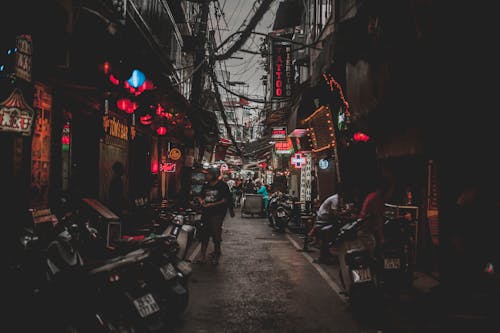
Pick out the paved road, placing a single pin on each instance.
(262, 284)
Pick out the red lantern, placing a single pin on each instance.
(114, 80)
(133, 106)
(360, 137)
(159, 110)
(106, 67)
(154, 167)
(146, 120)
(124, 104)
(161, 130)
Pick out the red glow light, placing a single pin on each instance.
(124, 104)
(106, 67)
(114, 80)
(360, 137)
(154, 167)
(146, 120)
(159, 110)
(161, 130)
(65, 140)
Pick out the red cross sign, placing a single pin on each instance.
(298, 160)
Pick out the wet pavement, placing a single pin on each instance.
(262, 284)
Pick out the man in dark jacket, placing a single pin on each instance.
(215, 200)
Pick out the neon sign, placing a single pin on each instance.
(282, 69)
(278, 133)
(298, 161)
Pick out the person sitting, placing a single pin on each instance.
(327, 212)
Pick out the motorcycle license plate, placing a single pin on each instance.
(146, 305)
(184, 267)
(168, 271)
(281, 214)
(361, 275)
(392, 263)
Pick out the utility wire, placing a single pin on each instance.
(259, 13)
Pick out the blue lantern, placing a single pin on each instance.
(137, 78)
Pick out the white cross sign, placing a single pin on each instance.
(298, 160)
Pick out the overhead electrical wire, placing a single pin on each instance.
(259, 13)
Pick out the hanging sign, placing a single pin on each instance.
(284, 147)
(281, 64)
(306, 178)
(298, 161)
(167, 167)
(113, 127)
(278, 133)
(175, 154)
(24, 53)
(15, 114)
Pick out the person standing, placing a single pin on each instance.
(263, 191)
(116, 195)
(215, 201)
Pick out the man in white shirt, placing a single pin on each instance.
(328, 207)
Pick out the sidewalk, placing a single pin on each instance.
(423, 282)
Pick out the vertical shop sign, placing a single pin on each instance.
(40, 151)
(306, 178)
(281, 64)
(24, 45)
(432, 202)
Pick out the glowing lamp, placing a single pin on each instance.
(146, 120)
(113, 80)
(159, 110)
(137, 78)
(161, 130)
(133, 106)
(106, 67)
(147, 85)
(360, 137)
(154, 167)
(124, 104)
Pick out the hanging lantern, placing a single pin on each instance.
(147, 85)
(113, 80)
(106, 67)
(137, 78)
(168, 116)
(160, 110)
(161, 130)
(360, 137)
(124, 104)
(146, 120)
(132, 107)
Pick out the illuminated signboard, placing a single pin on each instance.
(284, 147)
(298, 161)
(24, 45)
(282, 69)
(323, 164)
(278, 133)
(113, 127)
(167, 167)
(15, 114)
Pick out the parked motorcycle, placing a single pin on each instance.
(280, 211)
(397, 273)
(358, 266)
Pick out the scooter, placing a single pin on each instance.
(358, 267)
(397, 273)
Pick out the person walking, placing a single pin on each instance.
(215, 200)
